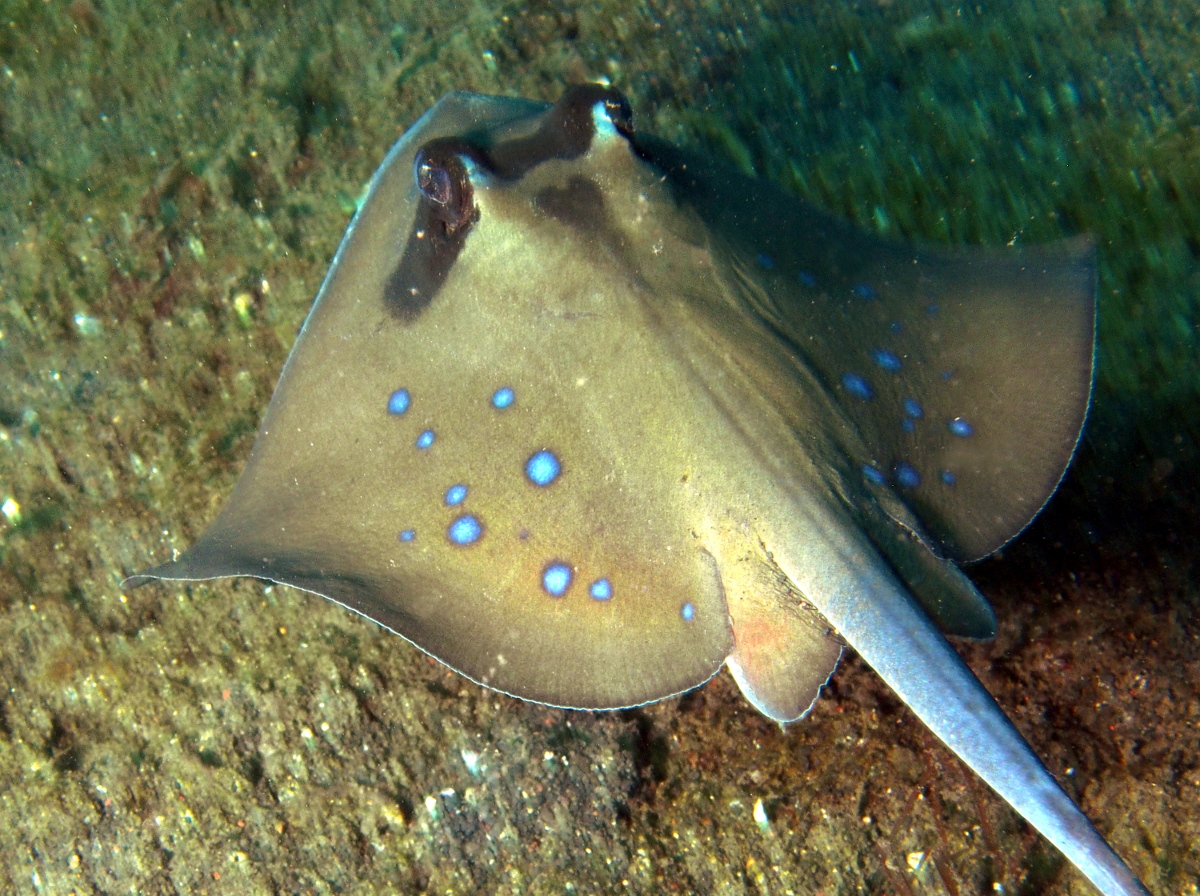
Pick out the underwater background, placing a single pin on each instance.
(174, 179)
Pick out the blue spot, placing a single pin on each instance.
(960, 427)
(947, 375)
(543, 468)
(455, 495)
(932, 310)
(425, 439)
(907, 475)
(556, 579)
(864, 291)
(948, 477)
(399, 402)
(908, 425)
(913, 408)
(408, 534)
(601, 589)
(465, 530)
(765, 261)
(806, 279)
(857, 386)
(895, 327)
(886, 360)
(503, 398)
(873, 475)
(688, 612)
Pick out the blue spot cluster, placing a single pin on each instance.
(873, 474)
(857, 386)
(542, 469)
(912, 413)
(503, 398)
(556, 578)
(399, 402)
(960, 427)
(886, 360)
(907, 475)
(465, 530)
(866, 383)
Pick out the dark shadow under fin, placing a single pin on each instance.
(939, 586)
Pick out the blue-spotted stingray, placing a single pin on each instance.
(586, 416)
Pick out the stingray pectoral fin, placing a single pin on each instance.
(487, 610)
(870, 609)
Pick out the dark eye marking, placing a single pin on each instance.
(446, 212)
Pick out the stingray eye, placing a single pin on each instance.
(443, 170)
(434, 180)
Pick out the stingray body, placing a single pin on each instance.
(586, 417)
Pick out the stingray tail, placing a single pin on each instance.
(871, 610)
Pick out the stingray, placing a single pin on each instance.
(586, 416)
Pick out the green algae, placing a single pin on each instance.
(171, 190)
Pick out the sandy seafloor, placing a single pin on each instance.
(174, 179)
